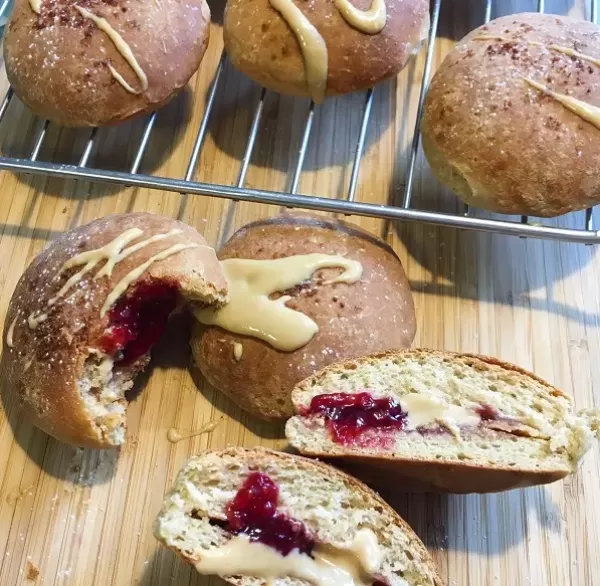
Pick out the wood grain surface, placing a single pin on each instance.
(84, 517)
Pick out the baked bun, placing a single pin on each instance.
(453, 422)
(93, 63)
(77, 333)
(261, 42)
(285, 515)
(504, 124)
(373, 313)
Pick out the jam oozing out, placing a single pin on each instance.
(349, 416)
(253, 511)
(138, 320)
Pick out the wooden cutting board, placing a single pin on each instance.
(84, 517)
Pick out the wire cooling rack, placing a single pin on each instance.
(403, 210)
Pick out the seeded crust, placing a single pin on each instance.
(377, 313)
(57, 61)
(501, 144)
(539, 440)
(48, 367)
(260, 43)
(332, 505)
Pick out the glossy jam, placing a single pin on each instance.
(138, 320)
(350, 416)
(253, 511)
(487, 413)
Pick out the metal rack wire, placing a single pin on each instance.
(403, 211)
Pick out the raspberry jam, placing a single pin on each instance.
(487, 413)
(138, 321)
(349, 416)
(253, 511)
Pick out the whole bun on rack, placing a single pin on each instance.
(86, 312)
(512, 117)
(262, 39)
(99, 62)
(371, 310)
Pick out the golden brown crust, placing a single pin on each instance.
(57, 61)
(499, 143)
(44, 364)
(428, 476)
(260, 456)
(377, 313)
(262, 45)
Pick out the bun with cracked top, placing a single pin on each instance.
(346, 45)
(97, 62)
(321, 322)
(86, 312)
(512, 117)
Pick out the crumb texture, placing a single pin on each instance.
(330, 504)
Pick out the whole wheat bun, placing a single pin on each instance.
(504, 145)
(260, 43)
(57, 61)
(332, 506)
(65, 384)
(376, 313)
(533, 437)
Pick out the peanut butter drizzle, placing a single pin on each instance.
(352, 563)
(238, 351)
(370, 21)
(175, 435)
(136, 273)
(312, 45)
(552, 46)
(11, 331)
(251, 311)
(121, 46)
(113, 253)
(585, 111)
(36, 6)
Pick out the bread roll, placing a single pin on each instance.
(85, 313)
(312, 49)
(452, 422)
(340, 320)
(512, 117)
(256, 517)
(90, 63)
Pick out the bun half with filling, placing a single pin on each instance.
(450, 422)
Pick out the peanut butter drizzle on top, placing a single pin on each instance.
(111, 253)
(251, 311)
(312, 44)
(585, 111)
(122, 47)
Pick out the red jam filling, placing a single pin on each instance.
(253, 511)
(349, 416)
(138, 321)
(487, 413)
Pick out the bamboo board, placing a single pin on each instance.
(83, 517)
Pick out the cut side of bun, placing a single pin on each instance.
(77, 334)
(325, 503)
(482, 425)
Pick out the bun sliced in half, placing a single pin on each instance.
(260, 517)
(451, 422)
(86, 312)
(91, 63)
